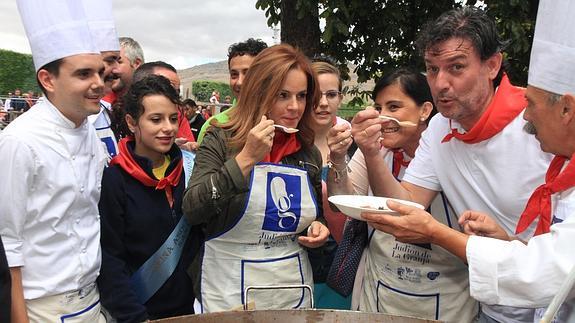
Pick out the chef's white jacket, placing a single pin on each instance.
(49, 221)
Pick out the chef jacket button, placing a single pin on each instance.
(77, 220)
(73, 157)
(83, 250)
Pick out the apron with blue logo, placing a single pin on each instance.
(262, 249)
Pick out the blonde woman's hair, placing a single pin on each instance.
(321, 67)
(260, 89)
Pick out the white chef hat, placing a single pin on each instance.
(552, 65)
(101, 24)
(55, 29)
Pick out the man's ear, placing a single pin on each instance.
(567, 104)
(494, 65)
(137, 63)
(47, 80)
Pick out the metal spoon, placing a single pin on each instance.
(401, 123)
(286, 129)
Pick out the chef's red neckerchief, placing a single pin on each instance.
(398, 161)
(539, 204)
(284, 144)
(126, 161)
(505, 106)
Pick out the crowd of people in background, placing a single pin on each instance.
(124, 202)
(18, 101)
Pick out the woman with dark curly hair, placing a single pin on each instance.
(147, 244)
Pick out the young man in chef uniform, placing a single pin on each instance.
(54, 162)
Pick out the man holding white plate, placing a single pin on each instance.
(475, 151)
(508, 271)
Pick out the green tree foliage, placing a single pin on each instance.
(516, 23)
(299, 20)
(16, 71)
(379, 35)
(202, 90)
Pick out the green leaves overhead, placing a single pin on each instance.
(379, 35)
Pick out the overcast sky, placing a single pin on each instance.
(183, 33)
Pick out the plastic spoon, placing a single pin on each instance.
(286, 129)
(401, 123)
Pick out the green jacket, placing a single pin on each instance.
(220, 117)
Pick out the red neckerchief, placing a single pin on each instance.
(506, 105)
(126, 161)
(284, 144)
(398, 161)
(539, 204)
(110, 98)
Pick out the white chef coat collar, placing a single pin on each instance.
(60, 118)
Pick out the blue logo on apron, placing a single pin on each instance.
(283, 202)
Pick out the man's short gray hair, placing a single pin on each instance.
(553, 98)
(132, 49)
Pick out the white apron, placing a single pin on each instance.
(262, 247)
(423, 281)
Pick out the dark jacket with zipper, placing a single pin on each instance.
(136, 220)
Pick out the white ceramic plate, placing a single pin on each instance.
(354, 205)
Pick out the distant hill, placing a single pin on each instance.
(217, 71)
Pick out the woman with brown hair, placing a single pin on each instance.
(256, 190)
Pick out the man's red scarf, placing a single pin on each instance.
(126, 161)
(539, 204)
(284, 144)
(506, 105)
